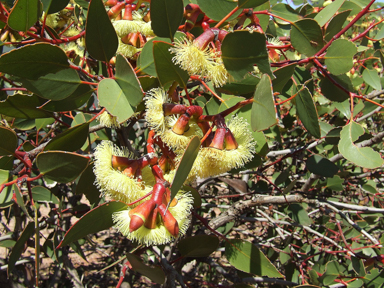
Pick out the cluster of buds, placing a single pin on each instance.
(230, 145)
(131, 28)
(123, 178)
(205, 51)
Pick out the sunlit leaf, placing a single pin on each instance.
(166, 16)
(339, 57)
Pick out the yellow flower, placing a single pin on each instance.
(175, 141)
(108, 120)
(127, 50)
(111, 182)
(155, 99)
(158, 235)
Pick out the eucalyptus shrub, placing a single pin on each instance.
(221, 143)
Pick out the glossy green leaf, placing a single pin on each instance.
(100, 36)
(20, 200)
(239, 59)
(371, 77)
(335, 25)
(42, 194)
(198, 245)
(61, 166)
(307, 112)
(33, 61)
(54, 86)
(328, 12)
(250, 3)
(156, 274)
(98, 219)
(185, 165)
(127, 80)
(6, 162)
(335, 183)
(24, 14)
(247, 257)
(166, 70)
(71, 140)
(77, 99)
(286, 12)
(333, 92)
(146, 61)
(43, 122)
(298, 214)
(218, 9)
(241, 87)
(166, 16)
(9, 146)
(19, 246)
(263, 113)
(282, 75)
(307, 37)
(87, 187)
(339, 57)
(365, 157)
(112, 97)
(319, 165)
(23, 106)
(7, 193)
(53, 6)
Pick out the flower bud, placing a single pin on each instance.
(230, 141)
(140, 214)
(218, 139)
(170, 222)
(181, 125)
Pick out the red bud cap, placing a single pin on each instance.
(218, 139)
(170, 222)
(140, 214)
(136, 223)
(230, 141)
(181, 125)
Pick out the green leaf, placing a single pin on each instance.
(358, 265)
(61, 166)
(166, 70)
(23, 106)
(33, 61)
(6, 162)
(239, 59)
(53, 6)
(77, 99)
(218, 9)
(380, 34)
(87, 187)
(365, 157)
(20, 200)
(263, 114)
(298, 214)
(319, 165)
(306, 37)
(244, 86)
(24, 14)
(198, 246)
(307, 112)
(185, 165)
(112, 97)
(54, 86)
(42, 194)
(328, 12)
(339, 57)
(250, 3)
(248, 258)
(331, 273)
(43, 122)
(374, 279)
(127, 80)
(100, 36)
(98, 219)
(336, 25)
(9, 146)
(146, 61)
(7, 193)
(282, 75)
(286, 12)
(335, 183)
(333, 92)
(156, 274)
(71, 140)
(19, 246)
(371, 77)
(166, 16)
